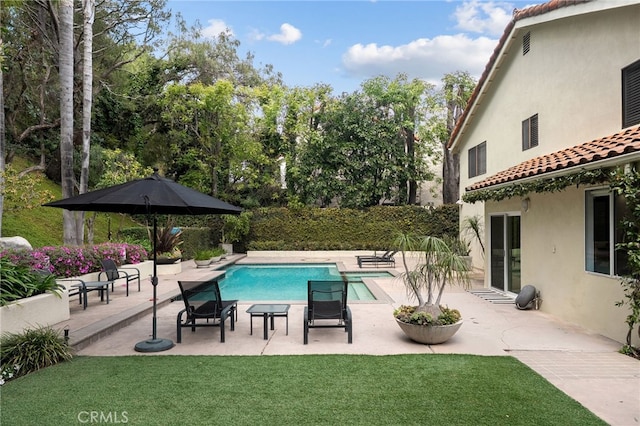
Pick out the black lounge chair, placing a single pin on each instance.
(386, 258)
(112, 273)
(327, 307)
(202, 301)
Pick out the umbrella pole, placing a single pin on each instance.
(154, 344)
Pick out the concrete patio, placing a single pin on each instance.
(584, 365)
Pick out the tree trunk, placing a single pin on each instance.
(87, 96)
(457, 88)
(66, 116)
(411, 153)
(450, 176)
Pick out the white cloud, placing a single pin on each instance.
(288, 34)
(215, 27)
(427, 59)
(256, 35)
(484, 17)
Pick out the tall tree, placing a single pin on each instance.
(457, 89)
(66, 116)
(88, 14)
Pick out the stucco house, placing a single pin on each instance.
(557, 104)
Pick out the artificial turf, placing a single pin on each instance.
(297, 389)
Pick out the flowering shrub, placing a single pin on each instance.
(74, 261)
(7, 373)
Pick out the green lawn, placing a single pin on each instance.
(297, 389)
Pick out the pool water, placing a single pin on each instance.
(287, 282)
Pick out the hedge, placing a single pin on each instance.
(281, 228)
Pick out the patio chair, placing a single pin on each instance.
(202, 301)
(113, 273)
(83, 287)
(386, 258)
(327, 307)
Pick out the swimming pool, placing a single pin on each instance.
(288, 281)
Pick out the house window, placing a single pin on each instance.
(478, 160)
(604, 214)
(526, 43)
(631, 95)
(530, 132)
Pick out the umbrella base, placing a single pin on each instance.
(154, 345)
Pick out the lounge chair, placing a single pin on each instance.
(202, 301)
(327, 307)
(386, 258)
(113, 273)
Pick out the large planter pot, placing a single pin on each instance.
(429, 334)
(161, 260)
(202, 263)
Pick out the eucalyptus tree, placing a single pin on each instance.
(123, 30)
(193, 58)
(456, 91)
(66, 115)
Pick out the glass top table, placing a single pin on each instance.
(269, 310)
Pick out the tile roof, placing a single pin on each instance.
(517, 15)
(624, 142)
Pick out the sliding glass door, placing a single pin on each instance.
(505, 252)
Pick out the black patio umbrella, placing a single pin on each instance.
(151, 196)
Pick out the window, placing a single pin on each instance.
(526, 43)
(478, 160)
(604, 213)
(631, 95)
(530, 132)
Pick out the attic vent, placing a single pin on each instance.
(526, 43)
(631, 95)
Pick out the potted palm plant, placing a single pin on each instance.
(436, 266)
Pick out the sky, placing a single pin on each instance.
(344, 43)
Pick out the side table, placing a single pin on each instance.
(268, 310)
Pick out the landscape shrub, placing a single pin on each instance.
(31, 350)
(74, 261)
(20, 281)
(311, 228)
(346, 229)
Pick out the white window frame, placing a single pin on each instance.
(589, 253)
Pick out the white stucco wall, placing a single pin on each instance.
(553, 260)
(571, 78)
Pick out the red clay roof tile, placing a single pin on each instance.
(624, 142)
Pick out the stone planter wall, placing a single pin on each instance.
(33, 312)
